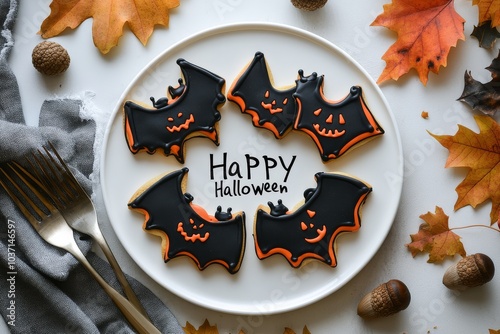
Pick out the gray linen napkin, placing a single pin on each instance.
(44, 289)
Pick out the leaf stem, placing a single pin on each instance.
(475, 225)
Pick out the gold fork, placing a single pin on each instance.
(77, 208)
(31, 198)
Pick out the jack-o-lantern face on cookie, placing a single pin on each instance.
(270, 104)
(329, 126)
(196, 233)
(312, 233)
(180, 122)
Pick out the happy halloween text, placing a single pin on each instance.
(235, 176)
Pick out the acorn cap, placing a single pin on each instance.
(386, 299)
(309, 5)
(471, 271)
(50, 58)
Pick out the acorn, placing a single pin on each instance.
(386, 299)
(471, 271)
(309, 5)
(50, 58)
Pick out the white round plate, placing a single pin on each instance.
(261, 286)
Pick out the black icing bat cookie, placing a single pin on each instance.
(309, 232)
(190, 110)
(255, 94)
(335, 127)
(186, 229)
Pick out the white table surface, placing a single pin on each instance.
(427, 183)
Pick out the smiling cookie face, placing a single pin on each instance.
(179, 123)
(269, 103)
(333, 126)
(313, 234)
(195, 234)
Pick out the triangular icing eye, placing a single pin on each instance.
(303, 226)
(329, 120)
(317, 112)
(311, 213)
(341, 119)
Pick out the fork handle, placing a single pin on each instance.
(127, 289)
(140, 323)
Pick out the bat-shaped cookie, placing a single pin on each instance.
(335, 127)
(309, 232)
(255, 94)
(186, 229)
(189, 111)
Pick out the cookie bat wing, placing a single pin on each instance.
(184, 231)
(255, 94)
(335, 127)
(193, 113)
(309, 232)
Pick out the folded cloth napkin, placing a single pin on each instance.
(44, 289)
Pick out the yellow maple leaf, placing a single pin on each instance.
(426, 29)
(435, 237)
(480, 153)
(109, 18)
(489, 10)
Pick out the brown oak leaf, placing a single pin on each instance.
(435, 237)
(426, 29)
(493, 331)
(480, 153)
(489, 10)
(205, 328)
(109, 18)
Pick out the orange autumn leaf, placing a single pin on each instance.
(426, 29)
(489, 10)
(480, 153)
(109, 18)
(493, 331)
(435, 237)
(205, 328)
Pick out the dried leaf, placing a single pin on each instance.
(481, 97)
(486, 35)
(435, 237)
(109, 18)
(489, 10)
(427, 29)
(206, 328)
(480, 153)
(493, 331)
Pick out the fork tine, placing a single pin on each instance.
(69, 176)
(19, 201)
